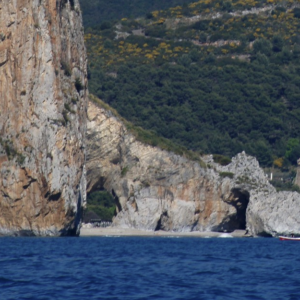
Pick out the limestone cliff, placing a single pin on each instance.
(42, 117)
(156, 189)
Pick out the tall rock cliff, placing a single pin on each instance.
(156, 189)
(42, 117)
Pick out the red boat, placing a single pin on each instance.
(288, 238)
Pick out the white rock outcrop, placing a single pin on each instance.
(156, 189)
(274, 214)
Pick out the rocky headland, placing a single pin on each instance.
(42, 117)
(159, 190)
(43, 105)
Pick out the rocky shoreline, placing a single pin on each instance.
(158, 190)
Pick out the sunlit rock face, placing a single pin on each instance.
(274, 214)
(42, 117)
(158, 190)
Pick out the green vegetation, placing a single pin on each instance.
(11, 152)
(66, 118)
(68, 108)
(283, 178)
(285, 186)
(221, 159)
(226, 174)
(217, 85)
(66, 68)
(97, 12)
(101, 203)
(150, 138)
(124, 171)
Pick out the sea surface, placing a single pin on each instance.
(149, 268)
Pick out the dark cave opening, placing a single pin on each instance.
(241, 205)
(161, 221)
(239, 198)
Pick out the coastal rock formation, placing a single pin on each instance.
(42, 117)
(159, 190)
(274, 214)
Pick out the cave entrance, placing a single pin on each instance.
(239, 198)
(100, 208)
(102, 204)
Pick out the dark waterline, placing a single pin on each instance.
(148, 268)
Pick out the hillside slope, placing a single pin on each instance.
(214, 76)
(96, 12)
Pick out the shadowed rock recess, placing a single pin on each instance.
(159, 190)
(42, 117)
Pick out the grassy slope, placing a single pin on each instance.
(96, 12)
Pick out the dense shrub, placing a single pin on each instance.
(224, 96)
(101, 203)
(226, 174)
(221, 159)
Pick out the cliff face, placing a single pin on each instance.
(42, 117)
(155, 189)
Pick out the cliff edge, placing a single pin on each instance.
(42, 117)
(159, 190)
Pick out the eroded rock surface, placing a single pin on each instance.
(274, 214)
(156, 189)
(42, 117)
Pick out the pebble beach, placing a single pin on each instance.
(114, 231)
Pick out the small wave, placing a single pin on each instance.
(225, 235)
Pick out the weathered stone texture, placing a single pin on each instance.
(156, 189)
(297, 179)
(274, 214)
(42, 116)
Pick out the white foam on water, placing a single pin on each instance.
(225, 235)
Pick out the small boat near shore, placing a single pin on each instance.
(289, 238)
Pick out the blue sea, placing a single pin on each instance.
(149, 268)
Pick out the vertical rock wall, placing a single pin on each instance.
(42, 117)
